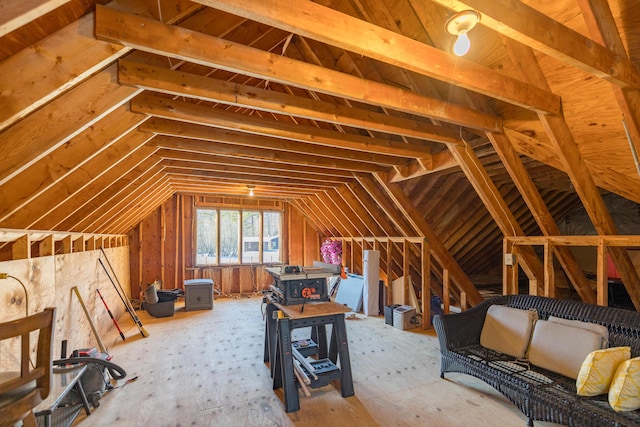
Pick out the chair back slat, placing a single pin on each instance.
(32, 384)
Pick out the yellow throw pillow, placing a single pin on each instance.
(624, 392)
(598, 369)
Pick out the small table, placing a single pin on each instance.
(63, 380)
(278, 346)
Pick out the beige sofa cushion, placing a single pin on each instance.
(594, 327)
(561, 348)
(507, 330)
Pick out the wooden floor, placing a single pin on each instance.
(205, 368)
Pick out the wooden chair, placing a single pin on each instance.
(21, 392)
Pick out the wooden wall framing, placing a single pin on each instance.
(163, 244)
(25, 244)
(513, 244)
(400, 257)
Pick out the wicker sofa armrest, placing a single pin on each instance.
(459, 330)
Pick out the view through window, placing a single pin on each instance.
(225, 236)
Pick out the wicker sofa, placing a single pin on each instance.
(540, 394)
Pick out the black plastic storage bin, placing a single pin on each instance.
(161, 309)
(168, 295)
(165, 307)
(388, 313)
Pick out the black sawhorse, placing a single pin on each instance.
(278, 346)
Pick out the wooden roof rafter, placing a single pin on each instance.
(571, 160)
(179, 83)
(332, 27)
(111, 25)
(200, 114)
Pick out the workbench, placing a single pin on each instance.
(278, 347)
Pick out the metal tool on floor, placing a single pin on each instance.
(123, 296)
(115, 322)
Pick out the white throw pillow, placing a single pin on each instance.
(561, 348)
(507, 330)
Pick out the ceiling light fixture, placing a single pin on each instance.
(459, 25)
(251, 187)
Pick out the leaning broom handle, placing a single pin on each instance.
(115, 276)
(93, 327)
(128, 307)
(115, 322)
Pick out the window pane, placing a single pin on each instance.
(271, 237)
(250, 237)
(229, 236)
(206, 226)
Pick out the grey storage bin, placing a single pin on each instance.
(198, 294)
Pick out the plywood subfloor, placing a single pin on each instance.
(205, 368)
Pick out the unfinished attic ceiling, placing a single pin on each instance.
(353, 107)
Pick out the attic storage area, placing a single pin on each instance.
(348, 120)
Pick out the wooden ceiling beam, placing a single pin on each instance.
(603, 29)
(15, 14)
(328, 204)
(309, 215)
(526, 25)
(179, 83)
(99, 204)
(138, 205)
(303, 172)
(35, 76)
(321, 224)
(247, 178)
(63, 198)
(326, 25)
(51, 126)
(602, 175)
(374, 211)
(325, 217)
(150, 36)
(289, 188)
(581, 177)
(495, 204)
(240, 171)
(206, 135)
(592, 200)
(351, 213)
(262, 155)
(540, 212)
(164, 194)
(117, 210)
(419, 167)
(215, 117)
(191, 185)
(47, 171)
(400, 222)
(347, 203)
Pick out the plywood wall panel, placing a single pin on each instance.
(49, 282)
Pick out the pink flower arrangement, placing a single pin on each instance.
(331, 251)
